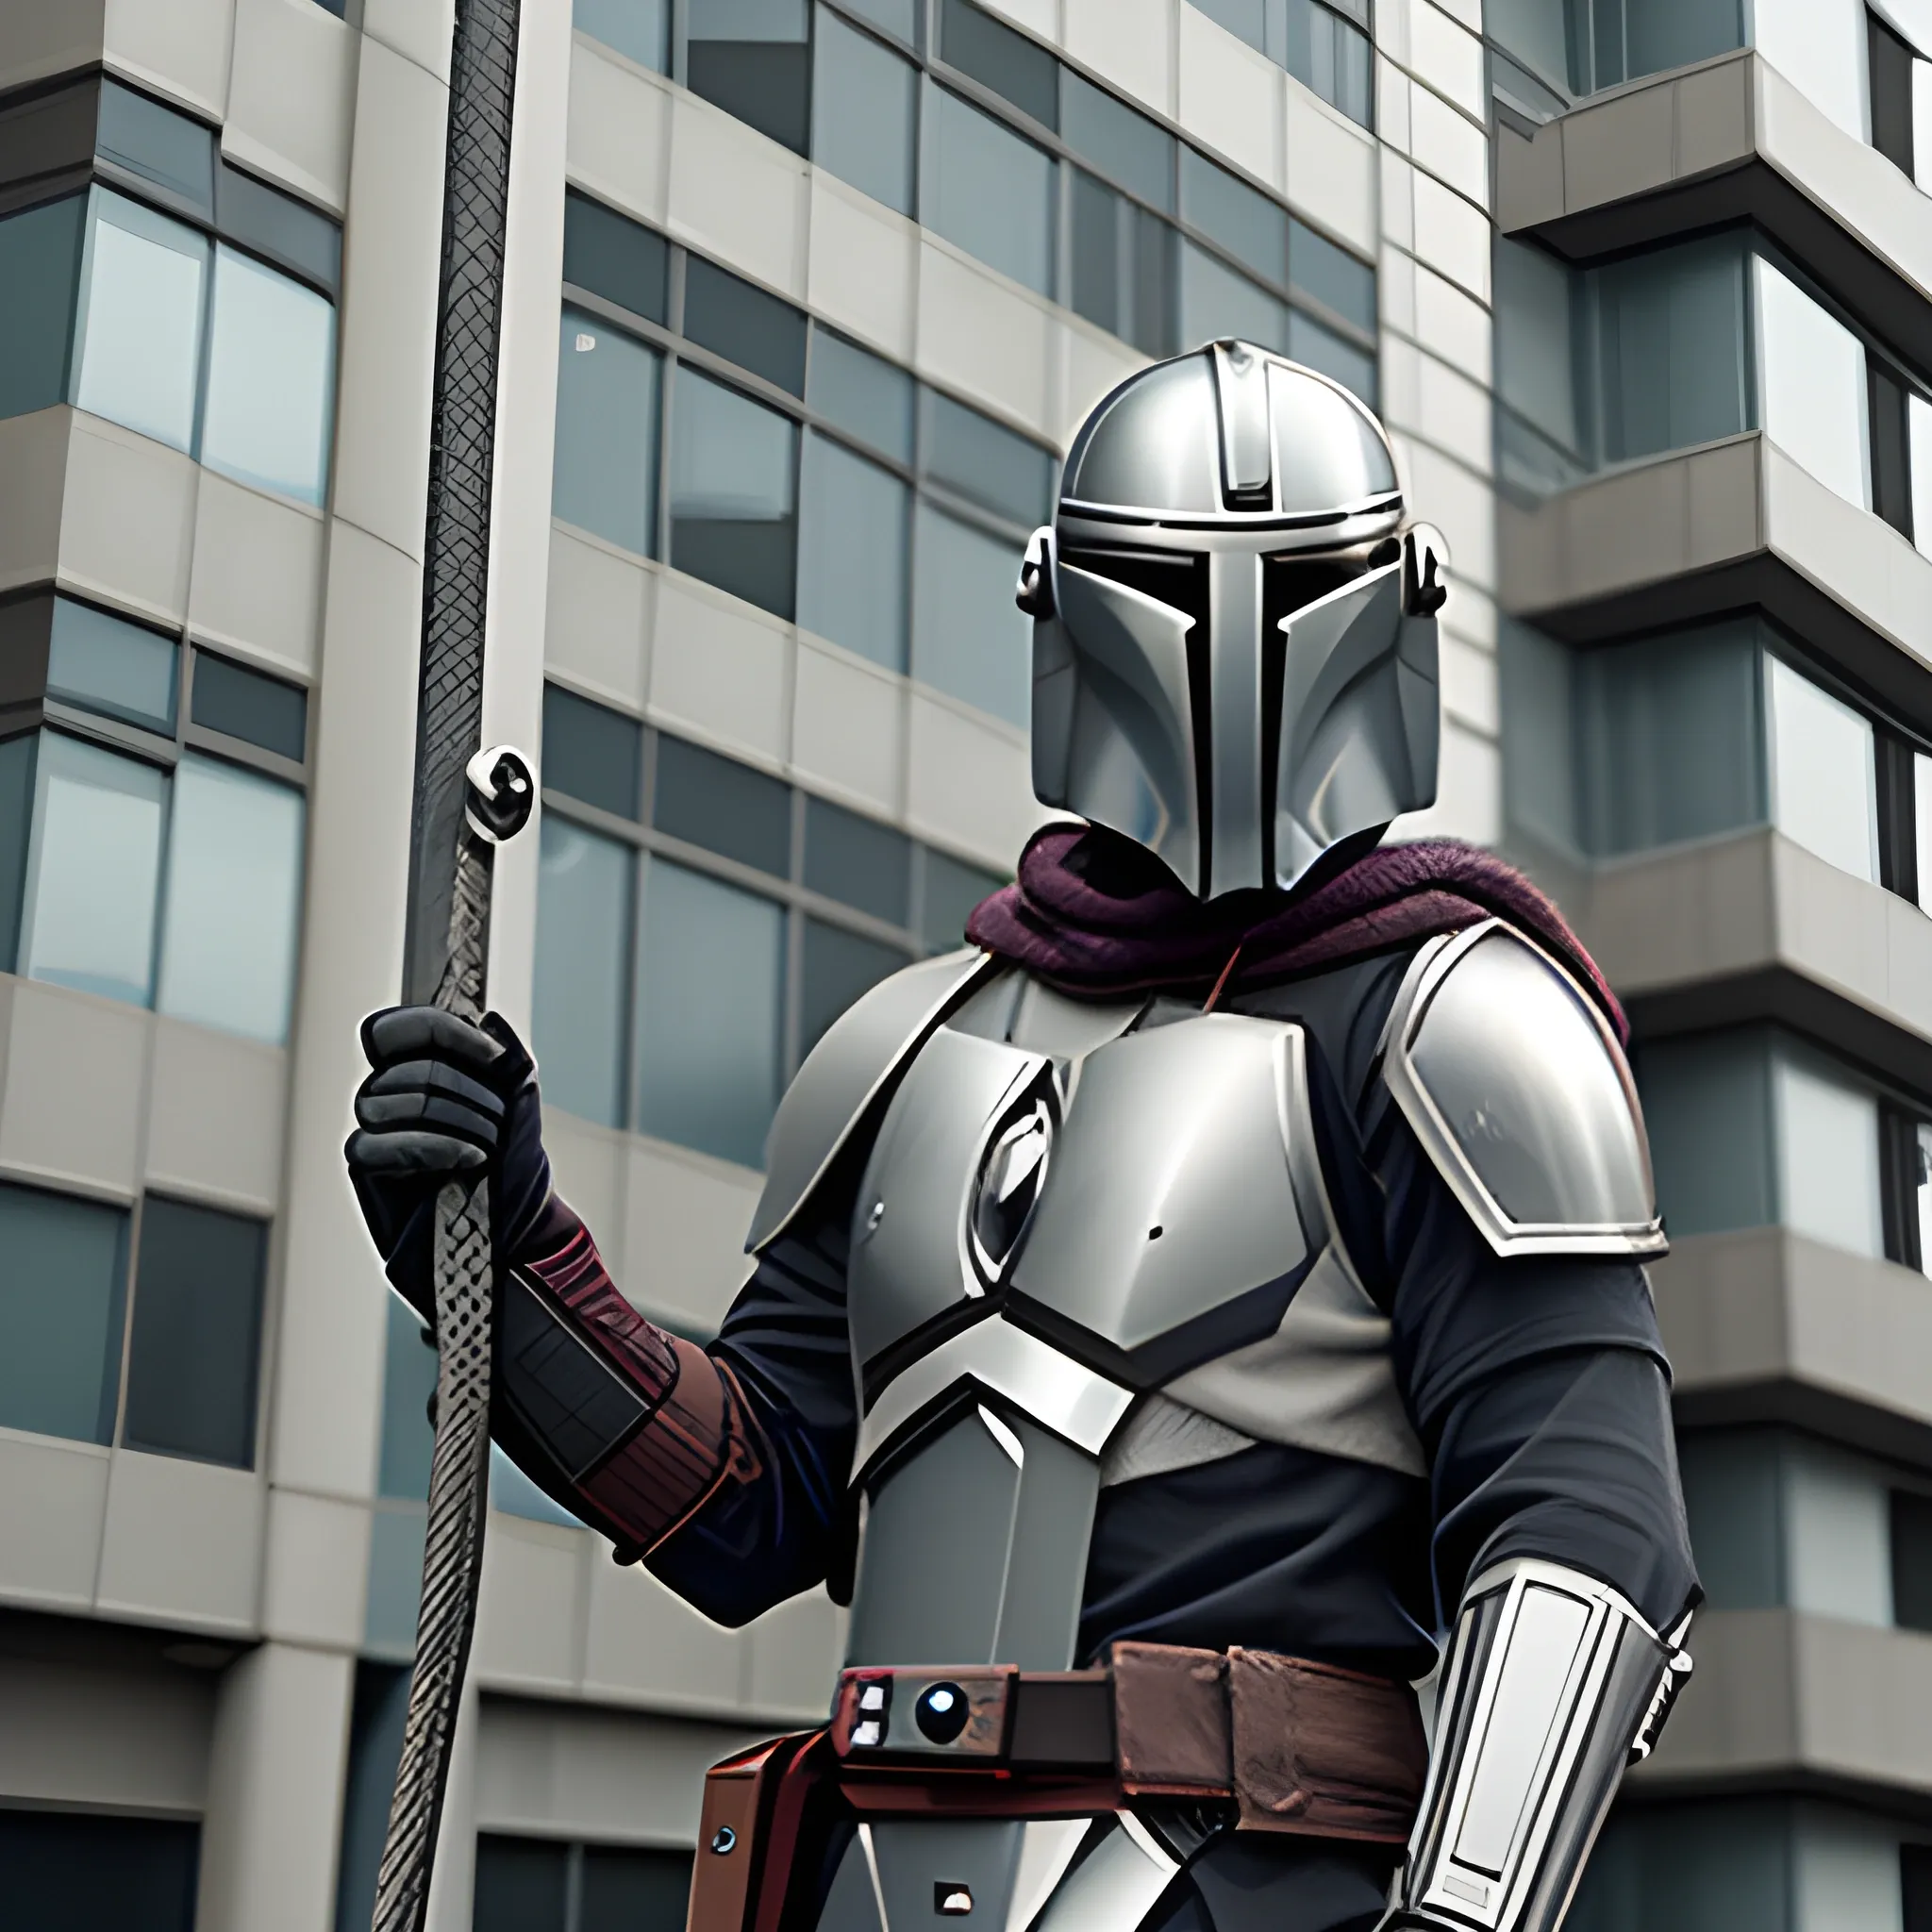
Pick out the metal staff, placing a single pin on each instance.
(466, 801)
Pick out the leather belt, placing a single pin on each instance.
(1291, 1745)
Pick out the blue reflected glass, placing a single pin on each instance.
(987, 190)
(62, 1292)
(103, 663)
(606, 474)
(967, 639)
(852, 558)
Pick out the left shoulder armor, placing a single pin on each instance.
(1519, 1091)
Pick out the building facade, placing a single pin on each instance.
(805, 298)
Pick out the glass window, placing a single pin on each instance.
(139, 327)
(723, 806)
(73, 1869)
(178, 155)
(1330, 274)
(103, 663)
(280, 226)
(1241, 219)
(755, 330)
(378, 1708)
(230, 698)
(851, 560)
(1122, 262)
(1138, 153)
(638, 29)
(733, 476)
(838, 966)
(752, 58)
(1215, 301)
(1708, 1105)
(1017, 69)
(863, 109)
(93, 865)
(614, 257)
(1321, 348)
(606, 478)
(1911, 1560)
(1732, 1498)
(592, 752)
(1921, 826)
(709, 1013)
(857, 862)
(16, 818)
(1693, 1865)
(1827, 1154)
(864, 395)
(985, 461)
(1329, 56)
(1824, 792)
(40, 260)
(409, 1380)
(1811, 385)
(987, 190)
(523, 1885)
(627, 1889)
(581, 995)
(61, 1299)
(1536, 355)
(234, 899)
(1919, 456)
(1920, 1176)
(195, 1347)
(953, 889)
(968, 638)
(1260, 22)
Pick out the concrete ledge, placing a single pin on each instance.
(1766, 1325)
(1730, 140)
(1726, 527)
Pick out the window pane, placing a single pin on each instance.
(627, 1891)
(40, 267)
(852, 562)
(862, 112)
(1921, 826)
(953, 889)
(271, 376)
(857, 862)
(987, 461)
(1823, 791)
(902, 17)
(1241, 219)
(1331, 275)
(1918, 455)
(968, 638)
(753, 58)
(606, 478)
(1329, 56)
(635, 28)
(987, 190)
(1827, 1154)
(1708, 1105)
(234, 899)
(252, 212)
(139, 350)
(838, 966)
(1215, 301)
(709, 1007)
(593, 752)
(16, 819)
(1123, 266)
(577, 1015)
(249, 704)
(1020, 70)
(755, 330)
(409, 1380)
(1260, 22)
(63, 1869)
(1911, 1563)
(63, 1272)
(515, 1494)
(723, 806)
(523, 1885)
(1138, 153)
(863, 396)
(89, 915)
(1811, 385)
(614, 257)
(732, 506)
(157, 144)
(194, 1349)
(1321, 348)
(103, 664)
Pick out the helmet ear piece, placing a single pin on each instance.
(1034, 595)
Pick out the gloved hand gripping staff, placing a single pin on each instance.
(466, 801)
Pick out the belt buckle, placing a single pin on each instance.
(908, 1711)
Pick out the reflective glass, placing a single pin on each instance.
(1136, 152)
(1811, 386)
(1921, 123)
(1534, 360)
(755, 330)
(88, 920)
(732, 482)
(229, 697)
(63, 1274)
(233, 902)
(709, 1007)
(639, 29)
(1823, 791)
(1330, 274)
(1921, 826)
(968, 638)
(194, 1345)
(626, 1889)
(409, 1380)
(1122, 262)
(723, 806)
(1215, 301)
(1827, 1154)
(280, 226)
(1241, 219)
(40, 260)
(1708, 1106)
(106, 664)
(1017, 69)
(857, 862)
(606, 478)
(852, 556)
(1911, 1598)
(1693, 1865)
(1329, 56)
(985, 461)
(987, 190)
(863, 109)
(1321, 348)
(104, 1873)
(157, 144)
(1918, 461)
(838, 966)
(752, 58)
(523, 1885)
(581, 995)
(900, 17)
(1263, 24)
(271, 378)
(593, 752)
(953, 889)
(864, 395)
(16, 822)
(139, 354)
(614, 257)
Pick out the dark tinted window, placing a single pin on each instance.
(1911, 1560)
(723, 806)
(615, 258)
(856, 861)
(864, 395)
(194, 1350)
(626, 1891)
(953, 889)
(1915, 1887)
(755, 330)
(103, 663)
(376, 1746)
(178, 155)
(755, 61)
(70, 1872)
(1019, 69)
(62, 1295)
(523, 1885)
(838, 966)
(593, 752)
(280, 226)
(244, 703)
(1241, 219)
(1331, 275)
(1137, 152)
(734, 493)
(985, 461)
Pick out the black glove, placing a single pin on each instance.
(444, 1100)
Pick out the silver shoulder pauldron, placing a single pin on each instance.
(855, 1060)
(1520, 1094)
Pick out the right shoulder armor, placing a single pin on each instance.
(856, 1057)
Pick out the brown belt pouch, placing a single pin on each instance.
(766, 1814)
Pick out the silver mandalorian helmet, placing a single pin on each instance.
(1234, 639)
